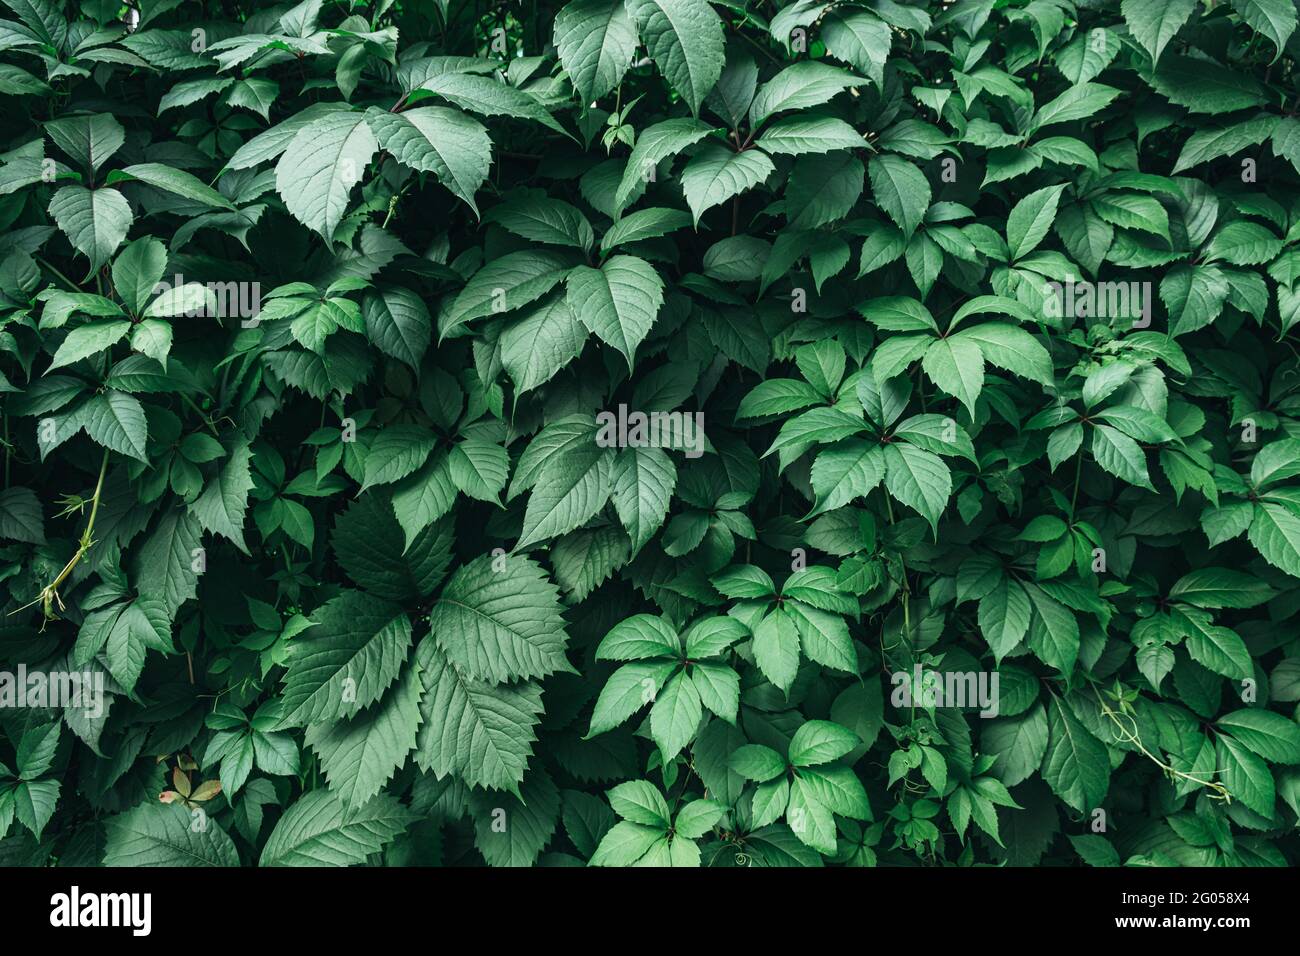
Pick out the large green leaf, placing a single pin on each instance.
(684, 38)
(322, 164)
(318, 830)
(1075, 764)
(155, 834)
(618, 302)
(346, 661)
(481, 732)
(596, 40)
(437, 140)
(94, 220)
(498, 619)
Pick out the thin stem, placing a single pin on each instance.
(1078, 472)
(192, 404)
(50, 593)
(1132, 737)
(66, 281)
(907, 597)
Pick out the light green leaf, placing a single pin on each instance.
(318, 830)
(596, 41)
(438, 140)
(901, 190)
(321, 165)
(685, 39)
(95, 221)
(618, 302)
(716, 174)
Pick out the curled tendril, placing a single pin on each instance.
(1131, 736)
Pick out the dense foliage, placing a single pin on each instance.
(331, 338)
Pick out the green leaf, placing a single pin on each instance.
(535, 347)
(1220, 587)
(901, 190)
(397, 451)
(685, 40)
(697, 818)
(137, 270)
(675, 715)
(1247, 777)
(1271, 736)
(1053, 632)
(503, 285)
(1217, 648)
(176, 181)
(20, 516)
(776, 648)
(643, 224)
(1275, 19)
(1154, 23)
(628, 689)
(618, 302)
(544, 220)
(655, 144)
(822, 189)
(798, 135)
(845, 472)
(1075, 764)
(1207, 145)
(1030, 219)
(153, 338)
(398, 323)
(95, 221)
(224, 503)
(360, 754)
(1004, 617)
(918, 479)
(820, 741)
(529, 818)
(757, 762)
(321, 165)
(1242, 243)
(438, 140)
(479, 468)
(481, 732)
(716, 174)
(812, 822)
(499, 620)
(318, 830)
(1076, 103)
(1012, 349)
(1275, 533)
(488, 97)
(798, 87)
(858, 38)
(956, 366)
(718, 688)
(1120, 455)
(1203, 86)
(89, 339)
(346, 661)
(89, 140)
(155, 834)
(838, 789)
(644, 479)
(1018, 743)
(596, 41)
(625, 844)
(386, 559)
(116, 421)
